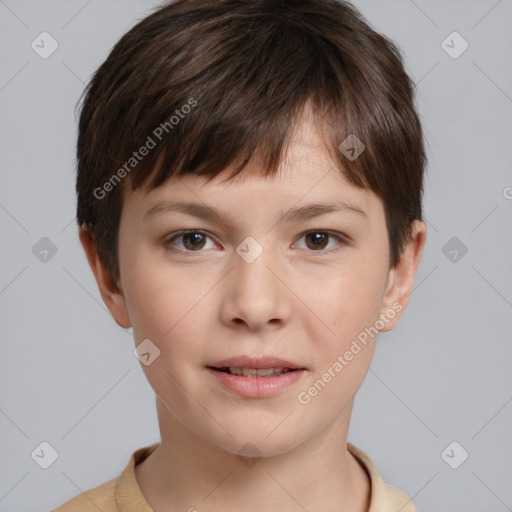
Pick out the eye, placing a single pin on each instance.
(191, 241)
(317, 241)
(197, 240)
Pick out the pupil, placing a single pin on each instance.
(318, 239)
(195, 240)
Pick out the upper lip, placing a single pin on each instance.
(255, 362)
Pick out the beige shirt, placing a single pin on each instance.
(123, 494)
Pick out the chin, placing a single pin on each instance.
(256, 443)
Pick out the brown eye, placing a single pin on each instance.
(190, 241)
(194, 241)
(322, 241)
(317, 240)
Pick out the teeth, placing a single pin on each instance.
(258, 372)
(264, 372)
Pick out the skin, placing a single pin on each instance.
(294, 301)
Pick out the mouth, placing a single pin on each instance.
(255, 366)
(254, 372)
(256, 377)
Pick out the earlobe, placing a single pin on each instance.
(401, 277)
(111, 293)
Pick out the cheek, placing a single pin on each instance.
(346, 300)
(168, 306)
(154, 294)
(170, 319)
(349, 305)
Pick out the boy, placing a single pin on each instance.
(249, 187)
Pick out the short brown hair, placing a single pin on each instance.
(229, 79)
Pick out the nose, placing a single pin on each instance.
(255, 295)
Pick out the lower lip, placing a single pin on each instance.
(257, 387)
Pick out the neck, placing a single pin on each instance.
(186, 472)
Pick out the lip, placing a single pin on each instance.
(256, 362)
(257, 387)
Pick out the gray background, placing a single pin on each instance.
(67, 372)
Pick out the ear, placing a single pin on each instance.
(401, 277)
(111, 293)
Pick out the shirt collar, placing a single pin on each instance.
(383, 497)
(129, 497)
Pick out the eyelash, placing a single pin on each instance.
(341, 239)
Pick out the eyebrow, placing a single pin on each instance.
(294, 214)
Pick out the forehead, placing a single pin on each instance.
(307, 174)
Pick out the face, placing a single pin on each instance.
(251, 275)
